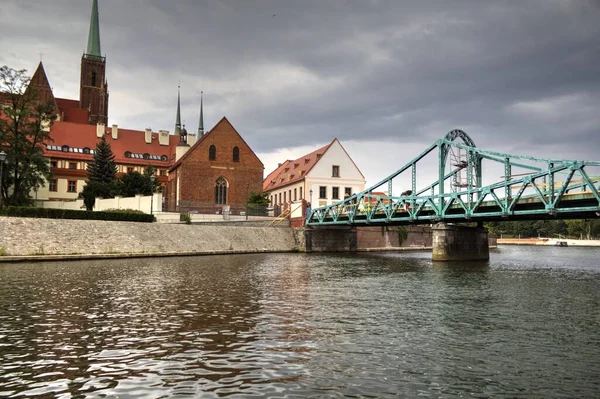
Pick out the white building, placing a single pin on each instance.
(322, 177)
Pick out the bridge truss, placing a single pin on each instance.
(530, 188)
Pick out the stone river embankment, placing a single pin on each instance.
(27, 238)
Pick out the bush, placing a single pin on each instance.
(50, 213)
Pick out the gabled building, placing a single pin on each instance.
(215, 174)
(322, 177)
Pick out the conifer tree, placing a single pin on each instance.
(103, 168)
(102, 175)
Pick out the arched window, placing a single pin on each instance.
(93, 78)
(212, 153)
(127, 154)
(236, 154)
(221, 191)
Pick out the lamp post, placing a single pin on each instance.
(247, 204)
(310, 195)
(2, 159)
(152, 178)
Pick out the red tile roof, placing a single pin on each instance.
(64, 103)
(78, 135)
(292, 171)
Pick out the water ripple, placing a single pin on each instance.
(297, 326)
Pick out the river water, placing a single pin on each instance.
(526, 324)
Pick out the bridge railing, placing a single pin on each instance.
(548, 187)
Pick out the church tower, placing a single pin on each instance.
(93, 88)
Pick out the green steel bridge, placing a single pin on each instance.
(517, 187)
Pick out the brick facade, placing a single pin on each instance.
(192, 179)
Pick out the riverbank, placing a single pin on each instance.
(549, 242)
(31, 239)
(59, 239)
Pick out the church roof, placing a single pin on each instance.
(223, 120)
(292, 171)
(93, 47)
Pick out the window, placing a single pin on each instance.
(86, 150)
(347, 191)
(52, 185)
(72, 165)
(212, 153)
(94, 78)
(129, 170)
(163, 172)
(335, 171)
(284, 197)
(295, 194)
(220, 191)
(236, 154)
(65, 148)
(322, 191)
(301, 193)
(164, 158)
(146, 156)
(53, 164)
(335, 192)
(72, 186)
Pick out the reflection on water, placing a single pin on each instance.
(294, 325)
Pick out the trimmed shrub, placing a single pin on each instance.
(49, 213)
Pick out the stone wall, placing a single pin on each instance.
(29, 236)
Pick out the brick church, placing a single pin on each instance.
(198, 172)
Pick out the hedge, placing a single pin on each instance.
(50, 213)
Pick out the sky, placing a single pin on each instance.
(387, 78)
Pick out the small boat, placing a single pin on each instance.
(561, 244)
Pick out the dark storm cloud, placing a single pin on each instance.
(522, 75)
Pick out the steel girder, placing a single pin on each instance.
(537, 194)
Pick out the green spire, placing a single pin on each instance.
(201, 122)
(93, 47)
(178, 117)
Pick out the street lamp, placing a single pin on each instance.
(152, 178)
(310, 196)
(2, 159)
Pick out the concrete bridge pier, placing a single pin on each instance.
(330, 239)
(452, 242)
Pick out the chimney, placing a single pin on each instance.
(148, 136)
(191, 139)
(163, 137)
(100, 129)
(180, 150)
(115, 131)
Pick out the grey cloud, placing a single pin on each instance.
(359, 70)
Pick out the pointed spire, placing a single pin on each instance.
(201, 122)
(93, 47)
(39, 81)
(178, 117)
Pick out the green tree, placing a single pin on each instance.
(25, 124)
(102, 176)
(257, 204)
(103, 168)
(258, 198)
(133, 183)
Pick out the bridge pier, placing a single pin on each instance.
(452, 242)
(330, 239)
